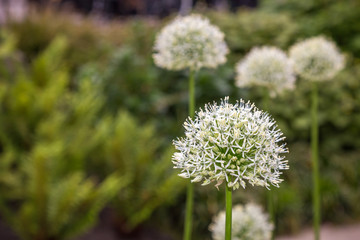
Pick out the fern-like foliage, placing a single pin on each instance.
(48, 133)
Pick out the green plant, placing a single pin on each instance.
(316, 60)
(47, 133)
(135, 150)
(190, 43)
(87, 40)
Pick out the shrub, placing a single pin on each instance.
(47, 134)
(135, 151)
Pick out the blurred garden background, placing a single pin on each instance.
(87, 120)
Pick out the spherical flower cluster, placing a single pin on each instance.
(317, 59)
(266, 66)
(190, 42)
(235, 143)
(248, 223)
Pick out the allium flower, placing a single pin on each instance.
(266, 66)
(232, 143)
(190, 42)
(248, 223)
(317, 59)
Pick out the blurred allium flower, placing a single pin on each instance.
(190, 42)
(248, 223)
(266, 66)
(232, 143)
(317, 59)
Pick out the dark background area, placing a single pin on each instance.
(114, 8)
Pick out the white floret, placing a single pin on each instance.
(232, 143)
(190, 42)
(317, 59)
(266, 66)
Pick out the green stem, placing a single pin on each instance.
(266, 100)
(271, 210)
(189, 210)
(228, 220)
(190, 187)
(315, 161)
(270, 194)
(191, 93)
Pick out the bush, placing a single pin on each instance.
(65, 156)
(134, 150)
(88, 39)
(47, 134)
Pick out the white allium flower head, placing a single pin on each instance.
(231, 143)
(190, 42)
(266, 66)
(317, 59)
(248, 222)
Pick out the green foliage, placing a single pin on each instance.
(88, 40)
(246, 29)
(39, 30)
(130, 80)
(47, 133)
(57, 135)
(134, 150)
(9, 56)
(338, 19)
(7, 43)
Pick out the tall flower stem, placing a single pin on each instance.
(190, 186)
(270, 206)
(270, 194)
(315, 160)
(191, 93)
(228, 219)
(189, 210)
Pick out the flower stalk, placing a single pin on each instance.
(316, 59)
(189, 211)
(315, 160)
(191, 93)
(270, 194)
(190, 42)
(190, 186)
(228, 221)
